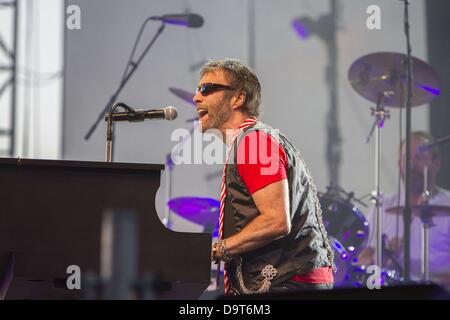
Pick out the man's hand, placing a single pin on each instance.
(273, 222)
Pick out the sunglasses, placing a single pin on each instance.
(208, 88)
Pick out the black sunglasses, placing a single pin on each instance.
(208, 88)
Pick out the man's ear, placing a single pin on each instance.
(238, 100)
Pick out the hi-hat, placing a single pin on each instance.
(422, 209)
(183, 94)
(383, 75)
(203, 211)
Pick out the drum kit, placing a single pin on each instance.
(381, 78)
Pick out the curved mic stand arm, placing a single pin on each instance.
(110, 129)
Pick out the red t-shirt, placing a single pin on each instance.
(261, 160)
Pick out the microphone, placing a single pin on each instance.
(425, 147)
(168, 113)
(433, 144)
(190, 20)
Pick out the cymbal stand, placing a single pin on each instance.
(170, 165)
(427, 222)
(167, 220)
(380, 115)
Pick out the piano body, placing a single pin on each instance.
(51, 214)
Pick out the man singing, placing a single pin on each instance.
(271, 233)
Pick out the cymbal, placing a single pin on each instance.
(183, 94)
(203, 211)
(384, 74)
(430, 210)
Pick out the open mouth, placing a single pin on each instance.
(202, 113)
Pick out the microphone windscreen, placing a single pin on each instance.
(195, 21)
(170, 113)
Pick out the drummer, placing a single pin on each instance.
(392, 224)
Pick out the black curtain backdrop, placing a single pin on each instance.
(438, 26)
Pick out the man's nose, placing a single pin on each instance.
(197, 97)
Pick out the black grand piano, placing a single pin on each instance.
(50, 218)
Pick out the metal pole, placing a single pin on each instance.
(109, 138)
(379, 248)
(425, 251)
(110, 130)
(333, 148)
(251, 34)
(167, 220)
(14, 82)
(407, 211)
(427, 223)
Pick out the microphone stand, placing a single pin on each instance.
(133, 66)
(110, 129)
(407, 210)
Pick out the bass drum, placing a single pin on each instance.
(344, 222)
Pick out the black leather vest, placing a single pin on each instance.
(305, 248)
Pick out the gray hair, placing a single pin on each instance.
(241, 78)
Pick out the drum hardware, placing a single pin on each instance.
(341, 259)
(390, 254)
(417, 210)
(384, 73)
(380, 115)
(350, 196)
(427, 223)
(170, 165)
(347, 230)
(382, 78)
(425, 212)
(343, 220)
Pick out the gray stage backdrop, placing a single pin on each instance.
(291, 71)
